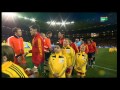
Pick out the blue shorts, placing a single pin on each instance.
(91, 55)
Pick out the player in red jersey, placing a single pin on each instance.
(95, 49)
(90, 53)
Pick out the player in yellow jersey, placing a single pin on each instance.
(9, 68)
(69, 53)
(112, 49)
(57, 64)
(81, 62)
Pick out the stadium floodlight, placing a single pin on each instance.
(33, 19)
(63, 23)
(58, 23)
(72, 22)
(53, 23)
(67, 23)
(10, 14)
(26, 18)
(48, 22)
(20, 16)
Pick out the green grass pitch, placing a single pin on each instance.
(105, 66)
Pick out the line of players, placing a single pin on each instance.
(65, 57)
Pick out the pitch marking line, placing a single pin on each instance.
(105, 68)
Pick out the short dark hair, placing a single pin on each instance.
(35, 27)
(48, 32)
(58, 45)
(8, 52)
(62, 32)
(15, 29)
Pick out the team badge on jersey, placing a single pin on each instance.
(68, 50)
(61, 60)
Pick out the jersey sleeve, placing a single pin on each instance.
(40, 47)
(9, 42)
(49, 43)
(23, 45)
(94, 45)
(76, 48)
(87, 50)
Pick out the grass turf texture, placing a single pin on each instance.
(105, 66)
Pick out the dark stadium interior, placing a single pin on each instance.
(85, 24)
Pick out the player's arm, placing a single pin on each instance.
(50, 65)
(94, 45)
(22, 45)
(64, 67)
(40, 47)
(76, 48)
(49, 43)
(87, 50)
(10, 42)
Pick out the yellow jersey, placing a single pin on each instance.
(13, 70)
(69, 54)
(57, 64)
(81, 62)
(115, 49)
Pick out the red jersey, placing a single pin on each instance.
(61, 41)
(18, 46)
(94, 46)
(37, 50)
(47, 44)
(90, 48)
(73, 45)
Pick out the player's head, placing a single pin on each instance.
(91, 40)
(17, 31)
(81, 39)
(7, 53)
(34, 29)
(85, 41)
(66, 42)
(60, 34)
(70, 41)
(43, 35)
(57, 48)
(76, 40)
(49, 34)
(82, 48)
(88, 41)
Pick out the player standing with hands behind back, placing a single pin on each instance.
(57, 63)
(81, 62)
